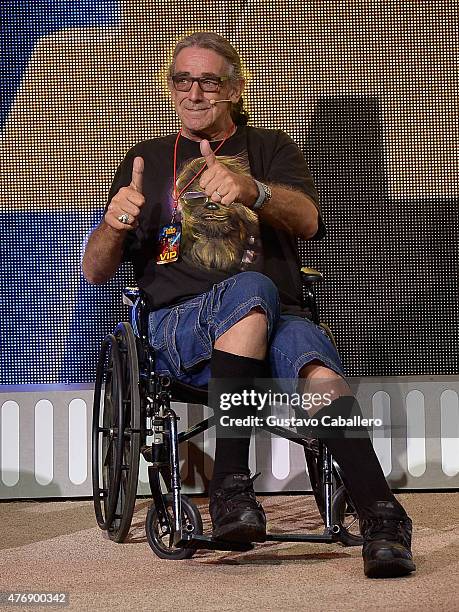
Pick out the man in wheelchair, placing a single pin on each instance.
(213, 244)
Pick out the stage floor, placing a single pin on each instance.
(55, 546)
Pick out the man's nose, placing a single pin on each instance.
(195, 92)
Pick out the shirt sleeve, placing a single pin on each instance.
(288, 167)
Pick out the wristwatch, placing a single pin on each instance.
(264, 195)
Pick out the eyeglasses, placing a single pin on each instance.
(200, 199)
(207, 84)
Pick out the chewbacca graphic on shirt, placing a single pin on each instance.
(216, 236)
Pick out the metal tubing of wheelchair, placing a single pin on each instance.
(196, 429)
(300, 537)
(205, 543)
(158, 499)
(171, 417)
(312, 302)
(328, 484)
(282, 432)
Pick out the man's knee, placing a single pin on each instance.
(247, 337)
(254, 284)
(316, 378)
(254, 323)
(250, 310)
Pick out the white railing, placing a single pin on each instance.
(45, 440)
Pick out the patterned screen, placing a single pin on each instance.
(368, 90)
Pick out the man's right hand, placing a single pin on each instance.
(128, 201)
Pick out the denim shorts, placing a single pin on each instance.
(182, 336)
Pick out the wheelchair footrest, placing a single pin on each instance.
(204, 542)
(301, 537)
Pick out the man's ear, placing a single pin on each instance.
(236, 90)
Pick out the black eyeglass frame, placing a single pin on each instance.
(218, 82)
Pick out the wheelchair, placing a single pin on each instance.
(132, 402)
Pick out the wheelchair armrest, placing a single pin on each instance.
(135, 299)
(130, 295)
(310, 276)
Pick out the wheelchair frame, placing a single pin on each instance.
(132, 402)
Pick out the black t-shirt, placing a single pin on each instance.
(271, 157)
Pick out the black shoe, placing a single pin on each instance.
(386, 531)
(236, 515)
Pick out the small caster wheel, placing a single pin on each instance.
(159, 542)
(346, 518)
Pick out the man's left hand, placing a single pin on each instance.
(223, 185)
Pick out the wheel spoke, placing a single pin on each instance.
(106, 460)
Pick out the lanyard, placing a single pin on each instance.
(176, 196)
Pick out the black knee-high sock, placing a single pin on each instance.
(362, 472)
(232, 443)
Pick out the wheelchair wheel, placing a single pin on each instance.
(345, 515)
(116, 442)
(107, 444)
(161, 544)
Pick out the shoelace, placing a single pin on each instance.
(384, 529)
(242, 489)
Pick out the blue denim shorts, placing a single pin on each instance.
(183, 335)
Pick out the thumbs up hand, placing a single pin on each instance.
(223, 185)
(207, 153)
(123, 210)
(137, 174)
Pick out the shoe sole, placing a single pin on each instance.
(240, 532)
(389, 569)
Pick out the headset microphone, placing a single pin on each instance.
(213, 102)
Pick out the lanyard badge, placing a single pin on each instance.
(169, 243)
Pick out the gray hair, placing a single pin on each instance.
(210, 40)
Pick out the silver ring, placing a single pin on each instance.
(218, 193)
(124, 218)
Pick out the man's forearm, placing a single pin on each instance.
(288, 209)
(292, 211)
(103, 254)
